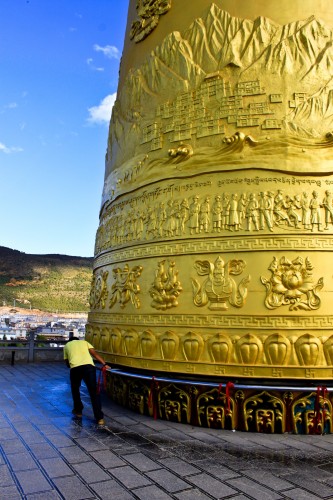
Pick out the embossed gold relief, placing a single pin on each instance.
(89, 333)
(292, 284)
(115, 341)
(98, 291)
(193, 345)
(264, 211)
(119, 390)
(219, 155)
(149, 12)
(166, 287)
(312, 414)
(125, 287)
(219, 288)
(249, 349)
(246, 78)
(220, 348)
(277, 349)
(95, 337)
(137, 396)
(215, 411)
(169, 342)
(130, 342)
(281, 353)
(105, 339)
(328, 351)
(308, 349)
(264, 413)
(174, 404)
(148, 342)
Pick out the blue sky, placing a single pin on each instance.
(59, 70)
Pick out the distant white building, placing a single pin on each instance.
(8, 333)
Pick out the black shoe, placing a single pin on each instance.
(77, 414)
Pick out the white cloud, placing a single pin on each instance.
(91, 65)
(102, 112)
(11, 105)
(110, 51)
(7, 150)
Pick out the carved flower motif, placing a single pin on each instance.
(290, 282)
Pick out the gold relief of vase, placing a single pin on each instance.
(193, 345)
(148, 343)
(115, 341)
(95, 339)
(169, 343)
(308, 349)
(277, 349)
(220, 348)
(130, 342)
(249, 349)
(89, 333)
(328, 351)
(104, 339)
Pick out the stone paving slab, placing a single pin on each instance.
(45, 454)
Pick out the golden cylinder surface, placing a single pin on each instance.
(214, 249)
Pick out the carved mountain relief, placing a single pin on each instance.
(291, 64)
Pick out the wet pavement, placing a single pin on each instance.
(46, 454)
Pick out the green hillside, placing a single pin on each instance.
(46, 282)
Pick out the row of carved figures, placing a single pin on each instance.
(226, 212)
(276, 350)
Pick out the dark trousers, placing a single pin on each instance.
(87, 373)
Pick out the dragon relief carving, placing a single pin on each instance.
(166, 288)
(125, 288)
(220, 288)
(292, 284)
(149, 12)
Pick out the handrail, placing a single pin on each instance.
(118, 371)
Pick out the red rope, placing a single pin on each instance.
(101, 376)
(152, 397)
(230, 385)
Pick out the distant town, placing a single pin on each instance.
(16, 326)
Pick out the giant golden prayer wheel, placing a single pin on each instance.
(212, 286)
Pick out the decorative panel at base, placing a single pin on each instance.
(228, 405)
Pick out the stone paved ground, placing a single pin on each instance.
(45, 454)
